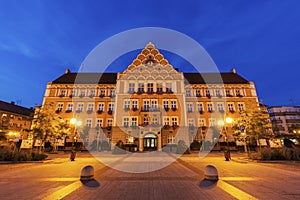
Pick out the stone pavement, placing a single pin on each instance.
(58, 178)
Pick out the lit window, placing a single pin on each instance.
(99, 122)
(200, 107)
(80, 107)
(166, 104)
(171, 139)
(126, 121)
(88, 123)
(90, 107)
(154, 105)
(60, 106)
(241, 107)
(230, 107)
(110, 107)
(141, 87)
(146, 105)
(174, 121)
(198, 93)
(131, 88)
(134, 121)
(190, 107)
(188, 93)
(134, 104)
(70, 107)
(150, 87)
(101, 107)
(126, 104)
(166, 121)
(210, 107)
(173, 104)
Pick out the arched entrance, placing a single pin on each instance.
(150, 142)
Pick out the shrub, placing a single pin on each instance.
(7, 154)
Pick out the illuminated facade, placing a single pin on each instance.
(15, 120)
(151, 104)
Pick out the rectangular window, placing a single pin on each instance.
(188, 93)
(70, 107)
(173, 104)
(73, 93)
(62, 93)
(171, 139)
(228, 93)
(112, 93)
(174, 121)
(99, 123)
(166, 104)
(241, 107)
(102, 93)
(101, 107)
(110, 107)
(154, 120)
(220, 107)
(92, 93)
(211, 122)
(126, 104)
(90, 107)
(82, 93)
(168, 87)
(207, 92)
(146, 106)
(141, 87)
(146, 121)
(125, 121)
(135, 104)
(190, 107)
(201, 122)
(154, 105)
(88, 123)
(109, 122)
(238, 93)
(231, 107)
(80, 107)
(166, 121)
(200, 107)
(150, 87)
(210, 107)
(191, 123)
(198, 93)
(60, 107)
(134, 121)
(218, 93)
(131, 88)
(159, 88)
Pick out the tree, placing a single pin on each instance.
(48, 125)
(257, 126)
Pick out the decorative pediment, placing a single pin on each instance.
(150, 62)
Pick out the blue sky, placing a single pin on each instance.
(40, 39)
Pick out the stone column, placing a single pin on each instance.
(159, 147)
(141, 145)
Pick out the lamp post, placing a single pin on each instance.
(227, 121)
(76, 123)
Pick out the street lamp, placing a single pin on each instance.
(227, 121)
(76, 123)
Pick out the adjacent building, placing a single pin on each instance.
(151, 103)
(285, 119)
(15, 120)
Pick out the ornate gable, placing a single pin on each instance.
(150, 64)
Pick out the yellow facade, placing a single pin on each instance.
(151, 104)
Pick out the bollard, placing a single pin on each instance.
(211, 173)
(87, 173)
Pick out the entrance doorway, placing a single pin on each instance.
(150, 142)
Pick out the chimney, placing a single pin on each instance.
(12, 103)
(68, 71)
(233, 70)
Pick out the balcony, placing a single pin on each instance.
(126, 109)
(210, 110)
(221, 110)
(198, 95)
(71, 96)
(174, 108)
(166, 109)
(166, 126)
(58, 111)
(239, 95)
(175, 126)
(134, 109)
(200, 111)
(68, 111)
(102, 95)
(219, 95)
(92, 95)
(231, 110)
(208, 96)
(79, 111)
(82, 95)
(61, 95)
(99, 111)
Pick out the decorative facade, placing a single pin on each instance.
(151, 104)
